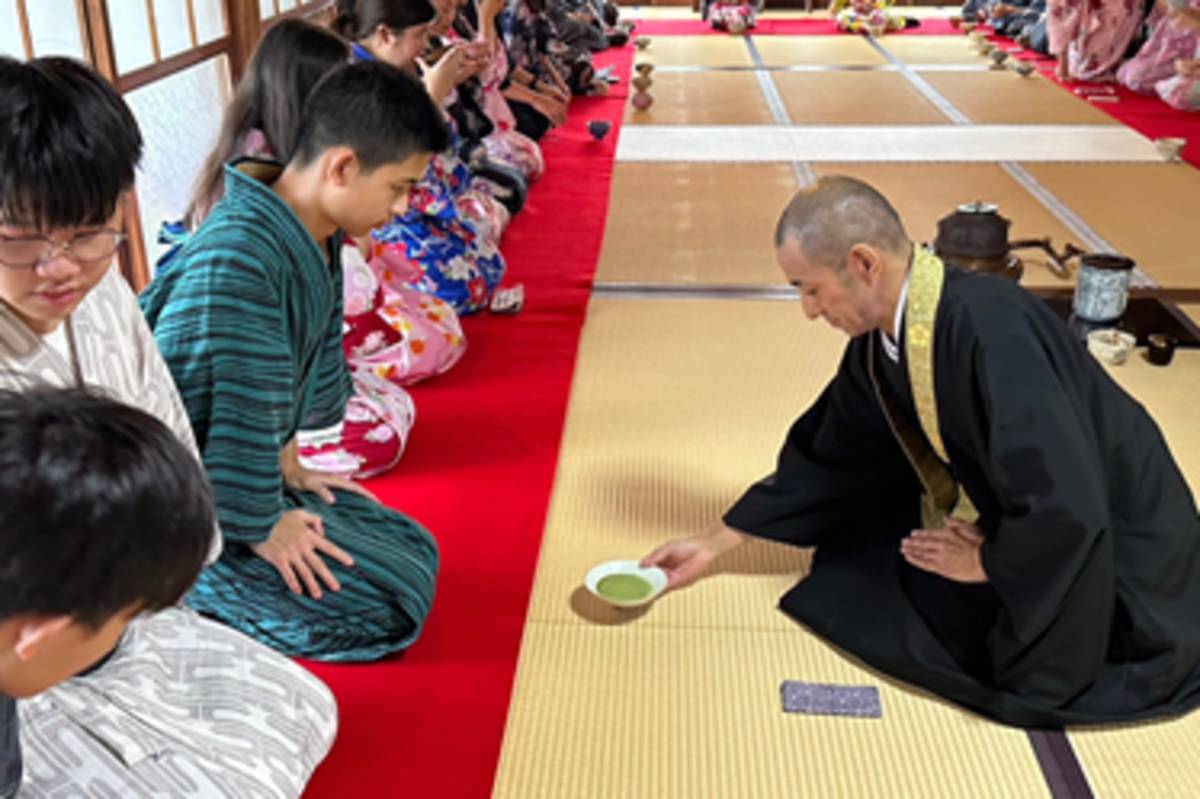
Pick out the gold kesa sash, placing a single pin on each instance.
(924, 447)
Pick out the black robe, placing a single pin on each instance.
(1092, 550)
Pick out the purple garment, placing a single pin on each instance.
(1155, 62)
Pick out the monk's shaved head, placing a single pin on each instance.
(828, 218)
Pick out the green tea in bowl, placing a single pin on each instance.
(625, 584)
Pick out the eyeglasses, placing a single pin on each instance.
(86, 249)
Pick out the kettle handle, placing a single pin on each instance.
(1057, 263)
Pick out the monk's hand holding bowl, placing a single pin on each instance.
(685, 560)
(951, 551)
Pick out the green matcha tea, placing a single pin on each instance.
(624, 587)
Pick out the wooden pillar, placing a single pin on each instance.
(99, 46)
(245, 28)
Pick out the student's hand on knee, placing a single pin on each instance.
(323, 484)
(952, 552)
(295, 547)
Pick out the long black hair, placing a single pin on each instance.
(290, 60)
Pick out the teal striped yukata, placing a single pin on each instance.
(248, 315)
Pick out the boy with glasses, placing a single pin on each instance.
(182, 706)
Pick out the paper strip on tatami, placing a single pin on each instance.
(928, 143)
(676, 405)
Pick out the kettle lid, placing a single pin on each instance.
(978, 207)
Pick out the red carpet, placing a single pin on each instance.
(777, 27)
(478, 474)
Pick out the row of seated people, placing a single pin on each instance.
(1150, 48)
(874, 17)
(349, 214)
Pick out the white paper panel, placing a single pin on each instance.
(54, 26)
(131, 34)
(210, 19)
(10, 33)
(179, 117)
(170, 19)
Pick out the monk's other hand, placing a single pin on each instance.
(952, 551)
(294, 548)
(686, 559)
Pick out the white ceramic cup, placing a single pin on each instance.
(656, 577)
(1110, 345)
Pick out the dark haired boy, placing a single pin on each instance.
(248, 315)
(106, 515)
(182, 706)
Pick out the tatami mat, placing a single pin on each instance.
(694, 223)
(1170, 394)
(611, 712)
(676, 406)
(836, 98)
(682, 699)
(1147, 761)
(714, 223)
(709, 51)
(925, 193)
(636, 470)
(703, 98)
(1146, 211)
(933, 49)
(841, 50)
(1006, 98)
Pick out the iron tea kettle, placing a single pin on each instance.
(975, 238)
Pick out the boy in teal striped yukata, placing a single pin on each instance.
(248, 315)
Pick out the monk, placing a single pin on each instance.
(995, 520)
